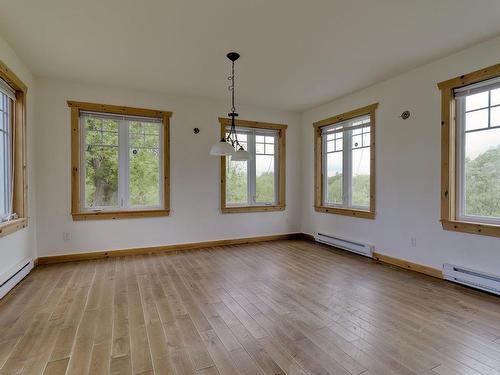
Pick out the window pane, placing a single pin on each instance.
(101, 176)
(101, 125)
(5, 157)
(101, 132)
(264, 179)
(144, 163)
(366, 139)
(236, 182)
(334, 177)
(476, 101)
(476, 119)
(357, 141)
(338, 144)
(144, 177)
(252, 182)
(361, 177)
(334, 143)
(259, 148)
(242, 139)
(330, 146)
(482, 173)
(269, 149)
(495, 116)
(360, 120)
(102, 137)
(3, 172)
(101, 163)
(495, 97)
(143, 134)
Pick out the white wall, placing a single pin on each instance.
(194, 175)
(408, 168)
(21, 244)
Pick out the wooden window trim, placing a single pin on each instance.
(346, 212)
(13, 226)
(318, 164)
(224, 122)
(449, 218)
(76, 211)
(20, 191)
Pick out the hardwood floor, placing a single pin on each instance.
(279, 307)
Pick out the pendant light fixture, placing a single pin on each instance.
(229, 144)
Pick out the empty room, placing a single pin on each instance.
(250, 187)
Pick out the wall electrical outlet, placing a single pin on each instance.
(413, 242)
(66, 236)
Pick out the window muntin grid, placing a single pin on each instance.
(346, 152)
(258, 190)
(478, 134)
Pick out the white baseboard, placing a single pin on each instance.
(14, 275)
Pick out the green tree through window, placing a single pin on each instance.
(482, 191)
(101, 159)
(102, 163)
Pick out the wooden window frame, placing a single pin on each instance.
(280, 206)
(449, 219)
(19, 174)
(318, 164)
(76, 211)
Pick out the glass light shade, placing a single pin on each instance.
(241, 155)
(222, 148)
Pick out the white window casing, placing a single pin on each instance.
(7, 96)
(460, 95)
(123, 198)
(345, 128)
(251, 134)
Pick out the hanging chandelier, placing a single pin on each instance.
(229, 145)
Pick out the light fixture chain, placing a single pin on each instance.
(233, 108)
(232, 131)
(222, 148)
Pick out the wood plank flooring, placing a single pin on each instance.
(284, 307)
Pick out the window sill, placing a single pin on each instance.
(12, 226)
(113, 215)
(241, 209)
(469, 227)
(346, 212)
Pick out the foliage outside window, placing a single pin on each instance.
(13, 188)
(470, 200)
(345, 163)
(256, 184)
(122, 160)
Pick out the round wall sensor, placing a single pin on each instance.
(405, 115)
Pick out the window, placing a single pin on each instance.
(345, 163)
(257, 184)
(470, 199)
(6, 184)
(120, 164)
(13, 212)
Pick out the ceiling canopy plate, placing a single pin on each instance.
(233, 56)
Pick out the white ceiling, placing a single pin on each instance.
(295, 53)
